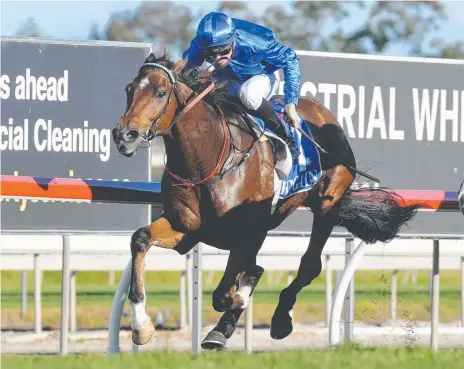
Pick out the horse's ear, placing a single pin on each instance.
(150, 58)
(179, 65)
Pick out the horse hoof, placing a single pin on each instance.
(143, 335)
(214, 341)
(281, 325)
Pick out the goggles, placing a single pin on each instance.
(213, 52)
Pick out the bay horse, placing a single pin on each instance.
(218, 187)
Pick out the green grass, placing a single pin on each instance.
(346, 357)
(94, 297)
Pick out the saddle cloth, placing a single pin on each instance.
(291, 177)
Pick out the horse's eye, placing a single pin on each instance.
(128, 88)
(161, 94)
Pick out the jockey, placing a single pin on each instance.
(249, 57)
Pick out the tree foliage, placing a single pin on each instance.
(29, 28)
(165, 24)
(367, 27)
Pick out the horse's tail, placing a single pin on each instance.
(374, 214)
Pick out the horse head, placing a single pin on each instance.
(150, 106)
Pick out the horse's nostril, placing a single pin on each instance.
(131, 135)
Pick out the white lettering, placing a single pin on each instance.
(451, 114)
(327, 89)
(345, 114)
(424, 114)
(308, 87)
(428, 105)
(41, 88)
(57, 139)
(29, 87)
(66, 144)
(393, 133)
(362, 106)
(376, 115)
(40, 124)
(462, 116)
(3, 132)
(20, 90)
(14, 137)
(4, 87)
(52, 93)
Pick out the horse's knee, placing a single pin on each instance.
(140, 240)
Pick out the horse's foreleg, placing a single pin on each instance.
(246, 283)
(159, 233)
(243, 277)
(224, 293)
(242, 272)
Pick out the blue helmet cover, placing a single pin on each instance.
(215, 29)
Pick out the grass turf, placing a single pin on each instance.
(349, 357)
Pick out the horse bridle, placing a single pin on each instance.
(150, 133)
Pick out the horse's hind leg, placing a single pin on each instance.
(159, 233)
(325, 208)
(310, 267)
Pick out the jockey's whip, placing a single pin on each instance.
(303, 133)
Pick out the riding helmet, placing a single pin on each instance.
(215, 29)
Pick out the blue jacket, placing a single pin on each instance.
(256, 51)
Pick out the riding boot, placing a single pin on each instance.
(266, 112)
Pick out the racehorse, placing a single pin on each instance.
(218, 187)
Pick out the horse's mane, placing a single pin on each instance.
(217, 97)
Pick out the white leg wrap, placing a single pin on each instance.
(244, 293)
(139, 316)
